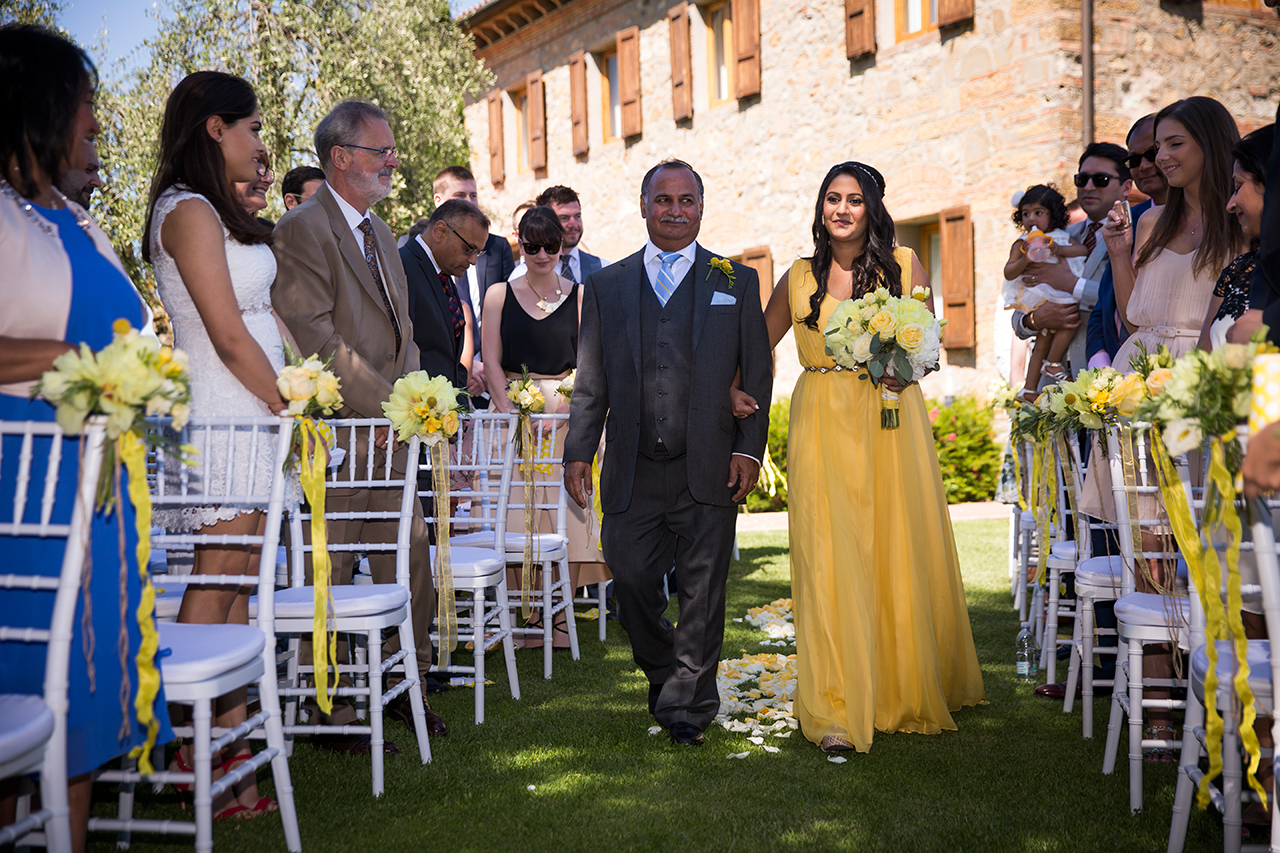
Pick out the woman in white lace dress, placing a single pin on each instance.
(214, 269)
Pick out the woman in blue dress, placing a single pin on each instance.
(62, 285)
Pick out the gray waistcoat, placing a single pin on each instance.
(667, 359)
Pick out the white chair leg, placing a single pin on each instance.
(1190, 758)
(478, 604)
(1232, 778)
(376, 737)
(124, 808)
(1135, 725)
(1116, 722)
(602, 607)
(291, 679)
(1049, 638)
(1086, 672)
(1077, 638)
(269, 698)
(508, 639)
(1037, 612)
(1015, 516)
(548, 619)
(416, 705)
(202, 762)
(570, 618)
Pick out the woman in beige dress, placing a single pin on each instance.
(537, 330)
(1163, 295)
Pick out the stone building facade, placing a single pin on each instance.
(959, 103)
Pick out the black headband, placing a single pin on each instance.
(866, 170)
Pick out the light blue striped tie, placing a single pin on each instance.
(666, 283)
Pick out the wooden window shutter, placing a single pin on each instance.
(578, 101)
(760, 259)
(957, 278)
(954, 12)
(859, 28)
(746, 36)
(681, 63)
(497, 172)
(537, 121)
(628, 42)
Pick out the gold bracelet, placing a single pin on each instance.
(1027, 321)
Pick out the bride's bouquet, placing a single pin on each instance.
(886, 335)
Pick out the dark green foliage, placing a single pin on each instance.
(967, 451)
(779, 423)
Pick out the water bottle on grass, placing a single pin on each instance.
(1026, 660)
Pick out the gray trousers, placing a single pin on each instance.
(665, 526)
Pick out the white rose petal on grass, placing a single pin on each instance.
(532, 788)
(756, 740)
(782, 734)
(837, 759)
(653, 730)
(770, 749)
(737, 755)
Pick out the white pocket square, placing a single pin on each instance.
(722, 298)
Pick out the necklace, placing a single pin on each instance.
(543, 304)
(82, 218)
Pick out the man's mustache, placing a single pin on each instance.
(680, 220)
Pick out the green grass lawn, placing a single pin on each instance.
(1016, 777)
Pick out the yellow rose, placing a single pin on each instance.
(296, 383)
(450, 423)
(866, 312)
(1156, 380)
(883, 324)
(911, 337)
(1128, 394)
(327, 393)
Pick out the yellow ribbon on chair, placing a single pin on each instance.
(1044, 486)
(324, 643)
(1065, 461)
(133, 452)
(1017, 474)
(446, 599)
(525, 450)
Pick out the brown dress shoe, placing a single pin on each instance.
(836, 743)
(402, 710)
(351, 744)
(1058, 690)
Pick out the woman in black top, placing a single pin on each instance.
(1231, 295)
(537, 331)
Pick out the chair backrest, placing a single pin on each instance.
(482, 456)
(1145, 484)
(363, 466)
(32, 484)
(253, 479)
(546, 451)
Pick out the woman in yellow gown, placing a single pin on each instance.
(882, 631)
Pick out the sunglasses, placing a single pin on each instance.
(1100, 179)
(1134, 160)
(532, 249)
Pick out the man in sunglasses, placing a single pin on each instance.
(1102, 179)
(1106, 330)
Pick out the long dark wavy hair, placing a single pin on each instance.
(43, 78)
(190, 156)
(1214, 130)
(876, 265)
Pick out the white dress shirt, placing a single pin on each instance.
(354, 218)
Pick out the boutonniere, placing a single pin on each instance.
(725, 267)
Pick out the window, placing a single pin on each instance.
(916, 17)
(720, 52)
(520, 98)
(930, 253)
(611, 96)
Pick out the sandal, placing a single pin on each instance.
(1159, 754)
(1026, 395)
(264, 805)
(1055, 370)
(182, 767)
(233, 811)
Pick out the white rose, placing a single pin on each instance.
(861, 349)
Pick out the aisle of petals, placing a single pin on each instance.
(756, 690)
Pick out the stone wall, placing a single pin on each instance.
(962, 118)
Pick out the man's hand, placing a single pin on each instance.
(1249, 322)
(1261, 468)
(1055, 315)
(577, 479)
(743, 472)
(1057, 276)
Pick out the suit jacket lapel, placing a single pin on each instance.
(640, 281)
(704, 284)
(431, 280)
(352, 251)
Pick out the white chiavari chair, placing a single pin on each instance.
(33, 737)
(205, 662)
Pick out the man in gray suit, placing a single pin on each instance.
(1102, 179)
(676, 461)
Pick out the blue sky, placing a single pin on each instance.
(128, 22)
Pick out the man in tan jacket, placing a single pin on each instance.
(341, 290)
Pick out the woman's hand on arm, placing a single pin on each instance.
(192, 235)
(491, 347)
(25, 360)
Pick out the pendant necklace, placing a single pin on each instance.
(548, 307)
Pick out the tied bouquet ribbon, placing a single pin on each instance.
(1220, 622)
(528, 399)
(1044, 506)
(312, 444)
(447, 614)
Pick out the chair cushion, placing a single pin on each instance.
(1259, 657)
(1027, 521)
(1064, 550)
(542, 542)
(471, 562)
(1152, 610)
(202, 652)
(1100, 571)
(348, 600)
(25, 723)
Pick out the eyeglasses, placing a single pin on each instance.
(1134, 160)
(472, 251)
(384, 153)
(532, 249)
(1100, 179)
